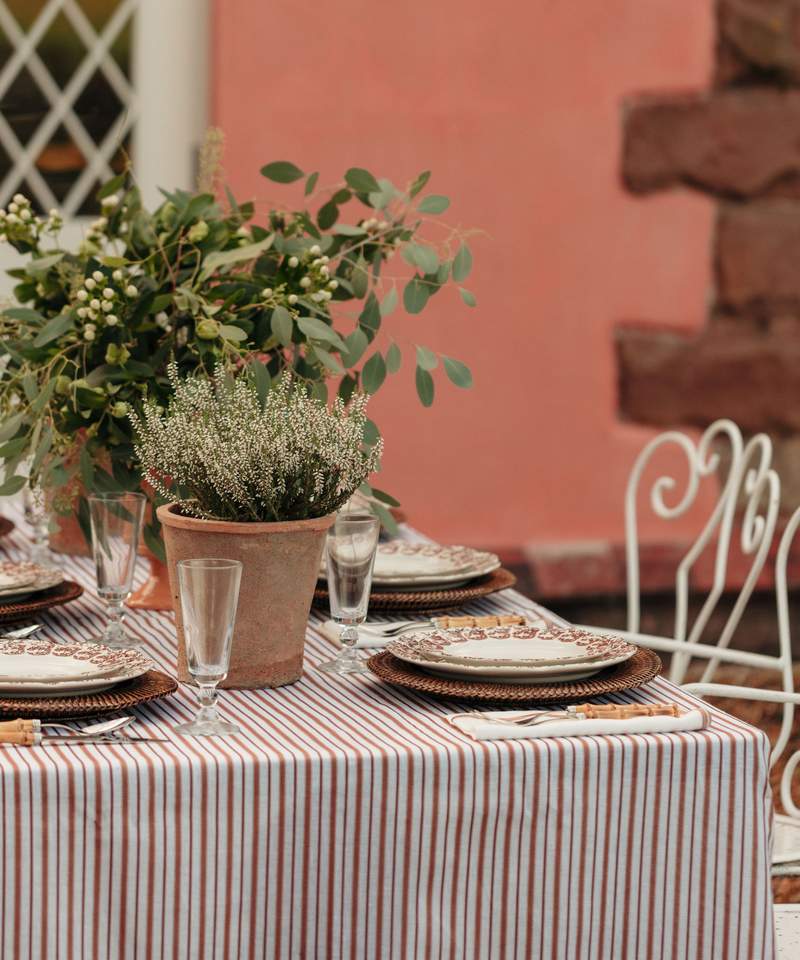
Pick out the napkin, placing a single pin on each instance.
(479, 729)
(332, 631)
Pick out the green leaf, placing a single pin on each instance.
(139, 369)
(426, 359)
(424, 387)
(161, 303)
(443, 273)
(348, 230)
(328, 360)
(311, 183)
(327, 215)
(360, 278)
(385, 497)
(30, 386)
(319, 330)
(393, 358)
(419, 183)
(13, 447)
(114, 262)
(374, 373)
(111, 186)
(467, 297)
(462, 265)
(341, 196)
(222, 258)
(261, 379)
(388, 522)
(419, 256)
(39, 267)
(23, 313)
(10, 427)
(87, 469)
(434, 203)
(458, 372)
(53, 329)
(307, 223)
(282, 172)
(282, 325)
(389, 302)
(415, 296)
(12, 485)
(44, 397)
(155, 544)
(381, 199)
(371, 435)
(42, 451)
(361, 181)
(355, 346)
(370, 316)
(230, 332)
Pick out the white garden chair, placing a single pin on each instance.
(750, 478)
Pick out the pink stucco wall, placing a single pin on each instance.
(515, 106)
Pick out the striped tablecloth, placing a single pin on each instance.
(348, 820)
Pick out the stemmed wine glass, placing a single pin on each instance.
(37, 516)
(350, 553)
(116, 520)
(209, 593)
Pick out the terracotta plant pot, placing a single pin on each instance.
(281, 562)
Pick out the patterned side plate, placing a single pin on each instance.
(15, 575)
(512, 654)
(401, 563)
(44, 580)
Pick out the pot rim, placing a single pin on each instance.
(170, 518)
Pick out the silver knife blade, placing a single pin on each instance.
(120, 741)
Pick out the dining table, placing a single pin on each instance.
(349, 819)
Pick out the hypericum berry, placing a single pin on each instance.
(99, 275)
(305, 282)
(108, 293)
(293, 262)
(266, 292)
(292, 298)
(117, 275)
(111, 320)
(315, 250)
(88, 334)
(333, 285)
(94, 304)
(131, 291)
(82, 312)
(107, 306)
(82, 295)
(90, 284)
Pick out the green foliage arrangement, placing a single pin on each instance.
(283, 291)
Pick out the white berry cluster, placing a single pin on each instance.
(18, 222)
(317, 283)
(293, 459)
(101, 299)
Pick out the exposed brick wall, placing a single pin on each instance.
(738, 142)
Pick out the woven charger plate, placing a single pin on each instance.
(62, 593)
(431, 601)
(6, 526)
(643, 666)
(152, 685)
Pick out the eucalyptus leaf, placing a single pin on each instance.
(394, 357)
(371, 436)
(44, 397)
(467, 297)
(328, 360)
(319, 330)
(355, 346)
(12, 485)
(282, 172)
(348, 230)
(462, 265)
(458, 372)
(327, 215)
(370, 316)
(53, 329)
(382, 198)
(415, 296)
(230, 332)
(223, 258)
(388, 522)
(24, 314)
(426, 259)
(341, 196)
(434, 203)
(155, 544)
(419, 183)
(282, 326)
(374, 373)
(311, 183)
(360, 278)
(10, 427)
(443, 272)
(261, 379)
(13, 447)
(426, 359)
(87, 469)
(30, 386)
(111, 186)
(424, 387)
(361, 181)
(42, 450)
(385, 497)
(389, 302)
(41, 265)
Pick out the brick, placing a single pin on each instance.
(667, 378)
(758, 41)
(757, 258)
(737, 143)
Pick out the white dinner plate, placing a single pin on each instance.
(404, 564)
(43, 581)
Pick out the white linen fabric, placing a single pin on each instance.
(350, 820)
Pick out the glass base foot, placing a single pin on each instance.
(206, 728)
(344, 666)
(116, 641)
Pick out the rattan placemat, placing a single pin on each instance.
(431, 601)
(6, 526)
(63, 592)
(643, 666)
(152, 685)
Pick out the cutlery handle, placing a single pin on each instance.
(9, 726)
(24, 738)
(627, 711)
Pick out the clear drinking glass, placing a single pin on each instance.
(209, 594)
(117, 520)
(350, 553)
(37, 516)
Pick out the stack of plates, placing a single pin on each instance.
(400, 565)
(36, 669)
(523, 655)
(20, 580)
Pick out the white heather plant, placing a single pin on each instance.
(223, 455)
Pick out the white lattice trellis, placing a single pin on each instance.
(62, 102)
